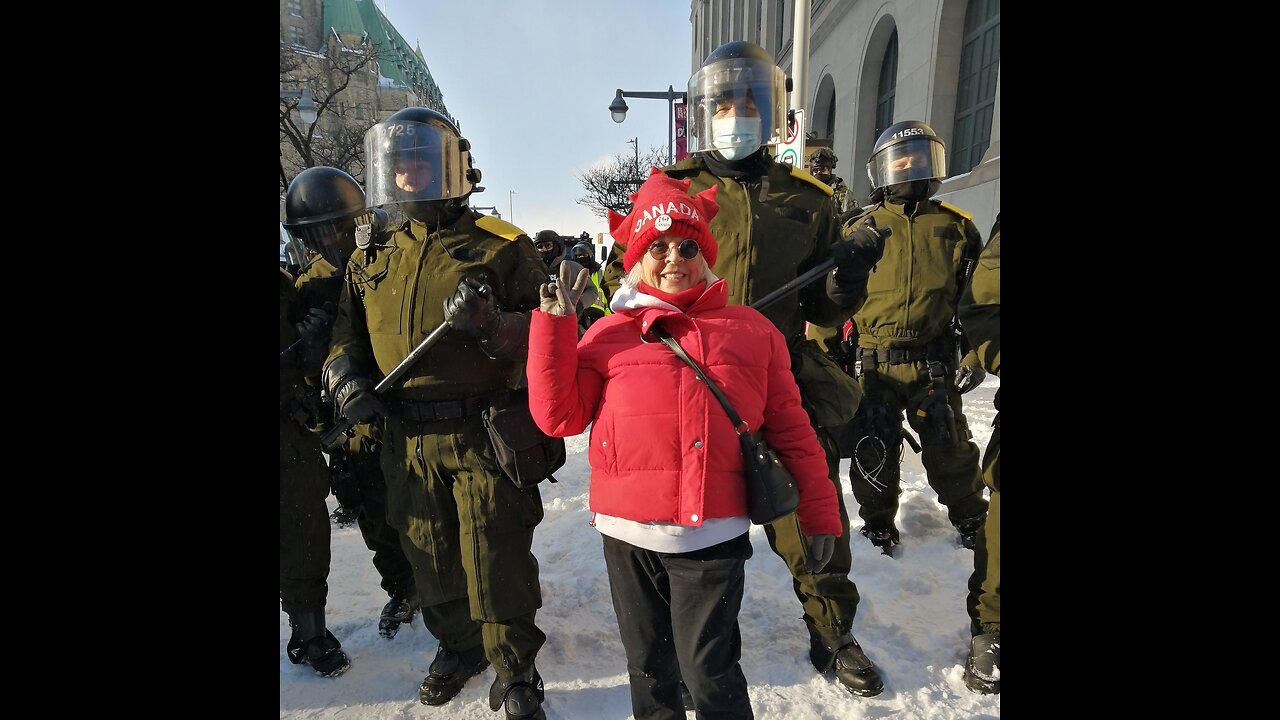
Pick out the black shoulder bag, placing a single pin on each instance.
(771, 490)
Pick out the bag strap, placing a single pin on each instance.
(739, 425)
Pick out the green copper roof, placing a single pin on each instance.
(396, 61)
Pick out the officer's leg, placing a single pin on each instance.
(829, 597)
(379, 536)
(304, 521)
(952, 467)
(984, 584)
(421, 508)
(496, 525)
(874, 473)
(304, 551)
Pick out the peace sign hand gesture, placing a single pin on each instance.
(560, 297)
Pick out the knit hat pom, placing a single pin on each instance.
(663, 206)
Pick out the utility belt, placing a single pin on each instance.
(936, 350)
(435, 411)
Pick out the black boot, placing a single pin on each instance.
(520, 695)
(449, 671)
(854, 671)
(311, 644)
(398, 610)
(969, 529)
(886, 539)
(982, 668)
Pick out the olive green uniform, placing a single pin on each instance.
(320, 282)
(304, 480)
(466, 528)
(769, 230)
(980, 315)
(905, 323)
(840, 195)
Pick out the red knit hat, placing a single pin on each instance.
(662, 206)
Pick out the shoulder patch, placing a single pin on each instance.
(956, 210)
(501, 228)
(805, 175)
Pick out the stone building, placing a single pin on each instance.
(872, 64)
(313, 33)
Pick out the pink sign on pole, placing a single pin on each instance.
(682, 115)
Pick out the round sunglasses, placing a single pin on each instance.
(687, 249)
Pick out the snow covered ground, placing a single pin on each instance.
(911, 622)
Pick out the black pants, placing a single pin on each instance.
(678, 614)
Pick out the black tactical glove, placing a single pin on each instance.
(854, 256)
(353, 394)
(969, 377)
(472, 309)
(313, 331)
(861, 248)
(356, 401)
(821, 548)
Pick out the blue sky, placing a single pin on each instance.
(531, 82)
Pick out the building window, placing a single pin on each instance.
(295, 8)
(779, 27)
(888, 85)
(295, 35)
(976, 89)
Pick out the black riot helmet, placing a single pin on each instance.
(548, 245)
(905, 152)
(823, 158)
(322, 207)
(417, 159)
(822, 164)
(745, 75)
(584, 256)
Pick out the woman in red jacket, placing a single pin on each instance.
(667, 484)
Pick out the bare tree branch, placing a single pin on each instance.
(609, 186)
(336, 138)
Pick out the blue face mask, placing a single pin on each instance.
(734, 138)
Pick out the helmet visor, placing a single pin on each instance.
(332, 240)
(412, 161)
(918, 158)
(747, 87)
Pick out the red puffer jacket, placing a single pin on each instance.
(662, 448)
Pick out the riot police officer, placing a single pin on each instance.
(304, 522)
(775, 223)
(467, 528)
(822, 165)
(907, 340)
(323, 207)
(980, 313)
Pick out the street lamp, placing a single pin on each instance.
(618, 110)
(306, 104)
(306, 112)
